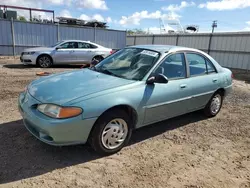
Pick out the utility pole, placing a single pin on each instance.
(214, 24)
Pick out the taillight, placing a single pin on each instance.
(112, 51)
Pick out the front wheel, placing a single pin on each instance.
(111, 132)
(44, 61)
(214, 105)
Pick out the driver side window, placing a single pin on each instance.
(173, 67)
(69, 45)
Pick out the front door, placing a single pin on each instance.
(171, 99)
(65, 53)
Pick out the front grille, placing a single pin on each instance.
(27, 60)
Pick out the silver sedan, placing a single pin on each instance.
(65, 52)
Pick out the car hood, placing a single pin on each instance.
(37, 49)
(62, 88)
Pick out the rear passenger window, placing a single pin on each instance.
(84, 45)
(173, 67)
(197, 64)
(210, 67)
(93, 46)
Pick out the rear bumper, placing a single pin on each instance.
(57, 132)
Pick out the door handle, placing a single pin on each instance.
(72, 51)
(183, 86)
(215, 80)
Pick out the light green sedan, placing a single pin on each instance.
(131, 88)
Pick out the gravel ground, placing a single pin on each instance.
(188, 151)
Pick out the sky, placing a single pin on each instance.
(231, 15)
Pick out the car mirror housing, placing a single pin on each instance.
(159, 78)
(58, 47)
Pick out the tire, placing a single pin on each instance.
(111, 132)
(97, 59)
(44, 61)
(214, 105)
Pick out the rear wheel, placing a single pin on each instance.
(97, 59)
(44, 61)
(214, 105)
(111, 132)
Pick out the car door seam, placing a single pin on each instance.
(201, 94)
(166, 103)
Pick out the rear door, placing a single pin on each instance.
(203, 79)
(85, 52)
(66, 53)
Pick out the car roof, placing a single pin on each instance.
(83, 41)
(164, 48)
(75, 41)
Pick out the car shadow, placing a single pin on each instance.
(21, 66)
(23, 156)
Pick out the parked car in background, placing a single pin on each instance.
(131, 88)
(65, 52)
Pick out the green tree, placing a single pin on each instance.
(22, 18)
(136, 31)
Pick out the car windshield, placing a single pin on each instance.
(128, 63)
(56, 44)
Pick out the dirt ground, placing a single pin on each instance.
(188, 151)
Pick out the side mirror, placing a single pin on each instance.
(58, 48)
(159, 78)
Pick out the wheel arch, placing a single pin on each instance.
(221, 90)
(42, 54)
(127, 108)
(98, 56)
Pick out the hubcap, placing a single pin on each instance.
(44, 61)
(215, 104)
(114, 133)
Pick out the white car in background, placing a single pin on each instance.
(65, 52)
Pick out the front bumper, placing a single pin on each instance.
(28, 59)
(56, 132)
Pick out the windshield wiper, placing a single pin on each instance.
(93, 68)
(105, 71)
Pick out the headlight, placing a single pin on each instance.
(59, 112)
(28, 53)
